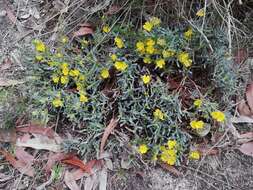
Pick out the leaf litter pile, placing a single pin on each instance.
(37, 150)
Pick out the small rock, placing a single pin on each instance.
(3, 13)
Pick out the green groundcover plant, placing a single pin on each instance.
(164, 86)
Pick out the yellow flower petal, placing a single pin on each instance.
(218, 116)
(194, 155)
(146, 79)
(158, 114)
(201, 12)
(105, 73)
(143, 149)
(148, 26)
(106, 29)
(57, 103)
(120, 65)
(197, 124)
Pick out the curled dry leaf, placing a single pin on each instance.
(70, 181)
(244, 109)
(247, 148)
(108, 130)
(83, 30)
(19, 165)
(74, 161)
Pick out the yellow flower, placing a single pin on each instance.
(39, 57)
(119, 42)
(172, 144)
(143, 149)
(158, 114)
(148, 26)
(155, 21)
(59, 55)
(64, 39)
(79, 86)
(150, 42)
(218, 116)
(81, 77)
(65, 71)
(120, 65)
(146, 79)
(194, 155)
(147, 60)
(106, 29)
(172, 160)
(39, 46)
(161, 42)
(160, 63)
(140, 47)
(184, 58)
(57, 103)
(105, 73)
(201, 12)
(197, 124)
(64, 79)
(169, 156)
(188, 34)
(197, 103)
(150, 50)
(55, 79)
(168, 53)
(74, 72)
(83, 98)
(114, 57)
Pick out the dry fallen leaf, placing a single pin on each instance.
(113, 123)
(24, 156)
(8, 135)
(247, 148)
(70, 181)
(74, 161)
(41, 143)
(37, 129)
(84, 30)
(19, 165)
(91, 182)
(245, 137)
(249, 96)
(102, 179)
(242, 119)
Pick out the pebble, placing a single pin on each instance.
(3, 13)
